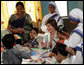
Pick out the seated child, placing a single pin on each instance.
(33, 41)
(60, 54)
(12, 55)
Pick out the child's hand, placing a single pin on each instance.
(20, 30)
(26, 44)
(51, 54)
(44, 44)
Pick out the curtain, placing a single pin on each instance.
(33, 8)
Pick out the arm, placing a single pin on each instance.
(9, 24)
(22, 52)
(74, 40)
(10, 27)
(25, 54)
(44, 45)
(27, 27)
(4, 58)
(12, 30)
(28, 24)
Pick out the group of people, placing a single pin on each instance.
(66, 48)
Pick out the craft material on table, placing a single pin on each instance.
(39, 56)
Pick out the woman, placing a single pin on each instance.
(76, 17)
(54, 34)
(76, 37)
(20, 22)
(53, 13)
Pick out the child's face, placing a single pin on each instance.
(33, 34)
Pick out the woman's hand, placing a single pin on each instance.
(66, 34)
(51, 54)
(20, 30)
(26, 44)
(11, 29)
(44, 44)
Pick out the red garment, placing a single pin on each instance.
(60, 41)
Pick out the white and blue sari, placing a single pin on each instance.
(76, 37)
(54, 15)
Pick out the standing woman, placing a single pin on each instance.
(53, 13)
(20, 22)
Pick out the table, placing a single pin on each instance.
(38, 59)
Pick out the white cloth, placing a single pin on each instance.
(78, 58)
(47, 16)
(75, 39)
(77, 14)
(66, 61)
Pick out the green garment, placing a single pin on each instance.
(24, 22)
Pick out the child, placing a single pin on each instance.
(61, 54)
(33, 42)
(12, 55)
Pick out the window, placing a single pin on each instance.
(62, 7)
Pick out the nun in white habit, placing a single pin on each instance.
(76, 37)
(53, 13)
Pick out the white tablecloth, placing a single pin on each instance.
(36, 59)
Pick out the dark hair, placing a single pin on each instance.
(53, 23)
(35, 29)
(19, 41)
(8, 41)
(61, 48)
(20, 3)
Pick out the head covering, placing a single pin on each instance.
(76, 15)
(53, 4)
